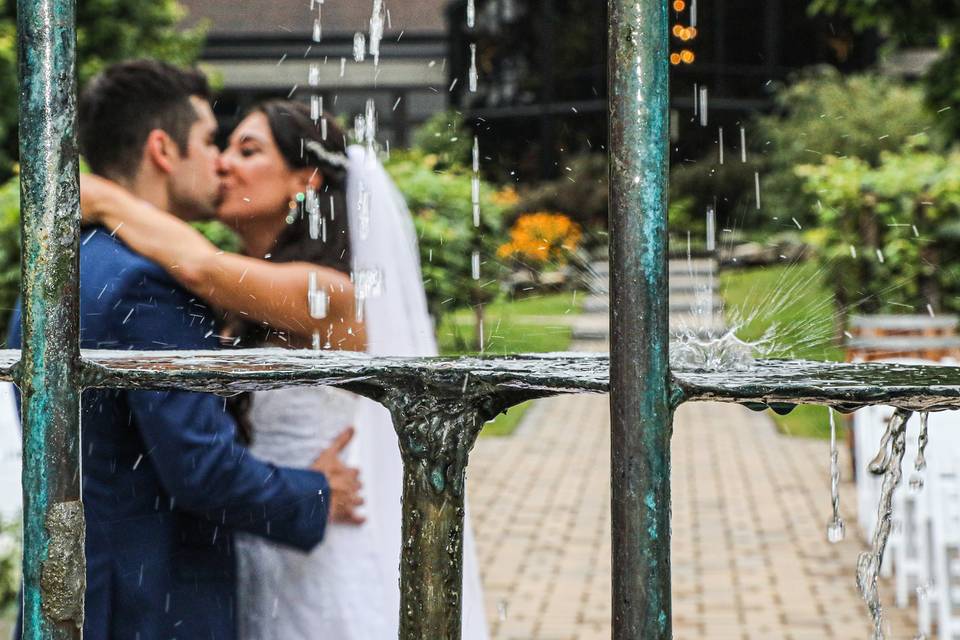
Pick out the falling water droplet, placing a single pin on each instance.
(312, 205)
(693, 13)
(364, 207)
(756, 184)
(721, 145)
(370, 127)
(704, 99)
(475, 265)
(743, 145)
(317, 299)
(359, 46)
(869, 562)
(475, 183)
(880, 256)
(367, 283)
(502, 610)
(473, 68)
(313, 77)
(316, 108)
(921, 462)
(317, 28)
(376, 30)
(471, 14)
(711, 229)
(835, 528)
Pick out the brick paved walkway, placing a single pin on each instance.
(749, 513)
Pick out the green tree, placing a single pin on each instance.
(824, 113)
(107, 31)
(915, 23)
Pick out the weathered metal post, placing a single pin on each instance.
(437, 425)
(48, 374)
(640, 410)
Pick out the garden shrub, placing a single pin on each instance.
(887, 234)
(440, 202)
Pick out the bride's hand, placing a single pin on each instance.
(98, 196)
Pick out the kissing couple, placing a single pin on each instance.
(243, 518)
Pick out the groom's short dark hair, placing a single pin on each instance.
(121, 105)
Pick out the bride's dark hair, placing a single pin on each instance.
(302, 145)
(297, 136)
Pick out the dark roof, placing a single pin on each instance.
(284, 18)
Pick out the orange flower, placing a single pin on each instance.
(541, 237)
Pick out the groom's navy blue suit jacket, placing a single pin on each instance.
(165, 483)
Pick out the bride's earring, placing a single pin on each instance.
(293, 212)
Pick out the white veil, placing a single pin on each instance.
(384, 247)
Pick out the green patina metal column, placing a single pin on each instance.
(640, 411)
(48, 374)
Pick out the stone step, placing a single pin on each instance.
(695, 266)
(686, 282)
(591, 326)
(694, 301)
(678, 304)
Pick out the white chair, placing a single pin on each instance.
(944, 594)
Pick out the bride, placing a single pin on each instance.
(305, 203)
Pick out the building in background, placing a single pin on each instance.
(264, 48)
(541, 64)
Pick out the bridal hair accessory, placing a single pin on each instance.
(324, 155)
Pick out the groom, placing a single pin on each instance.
(165, 483)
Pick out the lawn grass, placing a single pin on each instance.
(521, 325)
(794, 303)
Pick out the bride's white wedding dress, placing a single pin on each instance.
(347, 588)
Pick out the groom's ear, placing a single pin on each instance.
(160, 150)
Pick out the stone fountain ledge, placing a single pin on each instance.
(779, 384)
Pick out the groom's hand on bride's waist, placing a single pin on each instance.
(344, 481)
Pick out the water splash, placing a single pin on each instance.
(887, 462)
(835, 528)
(702, 350)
